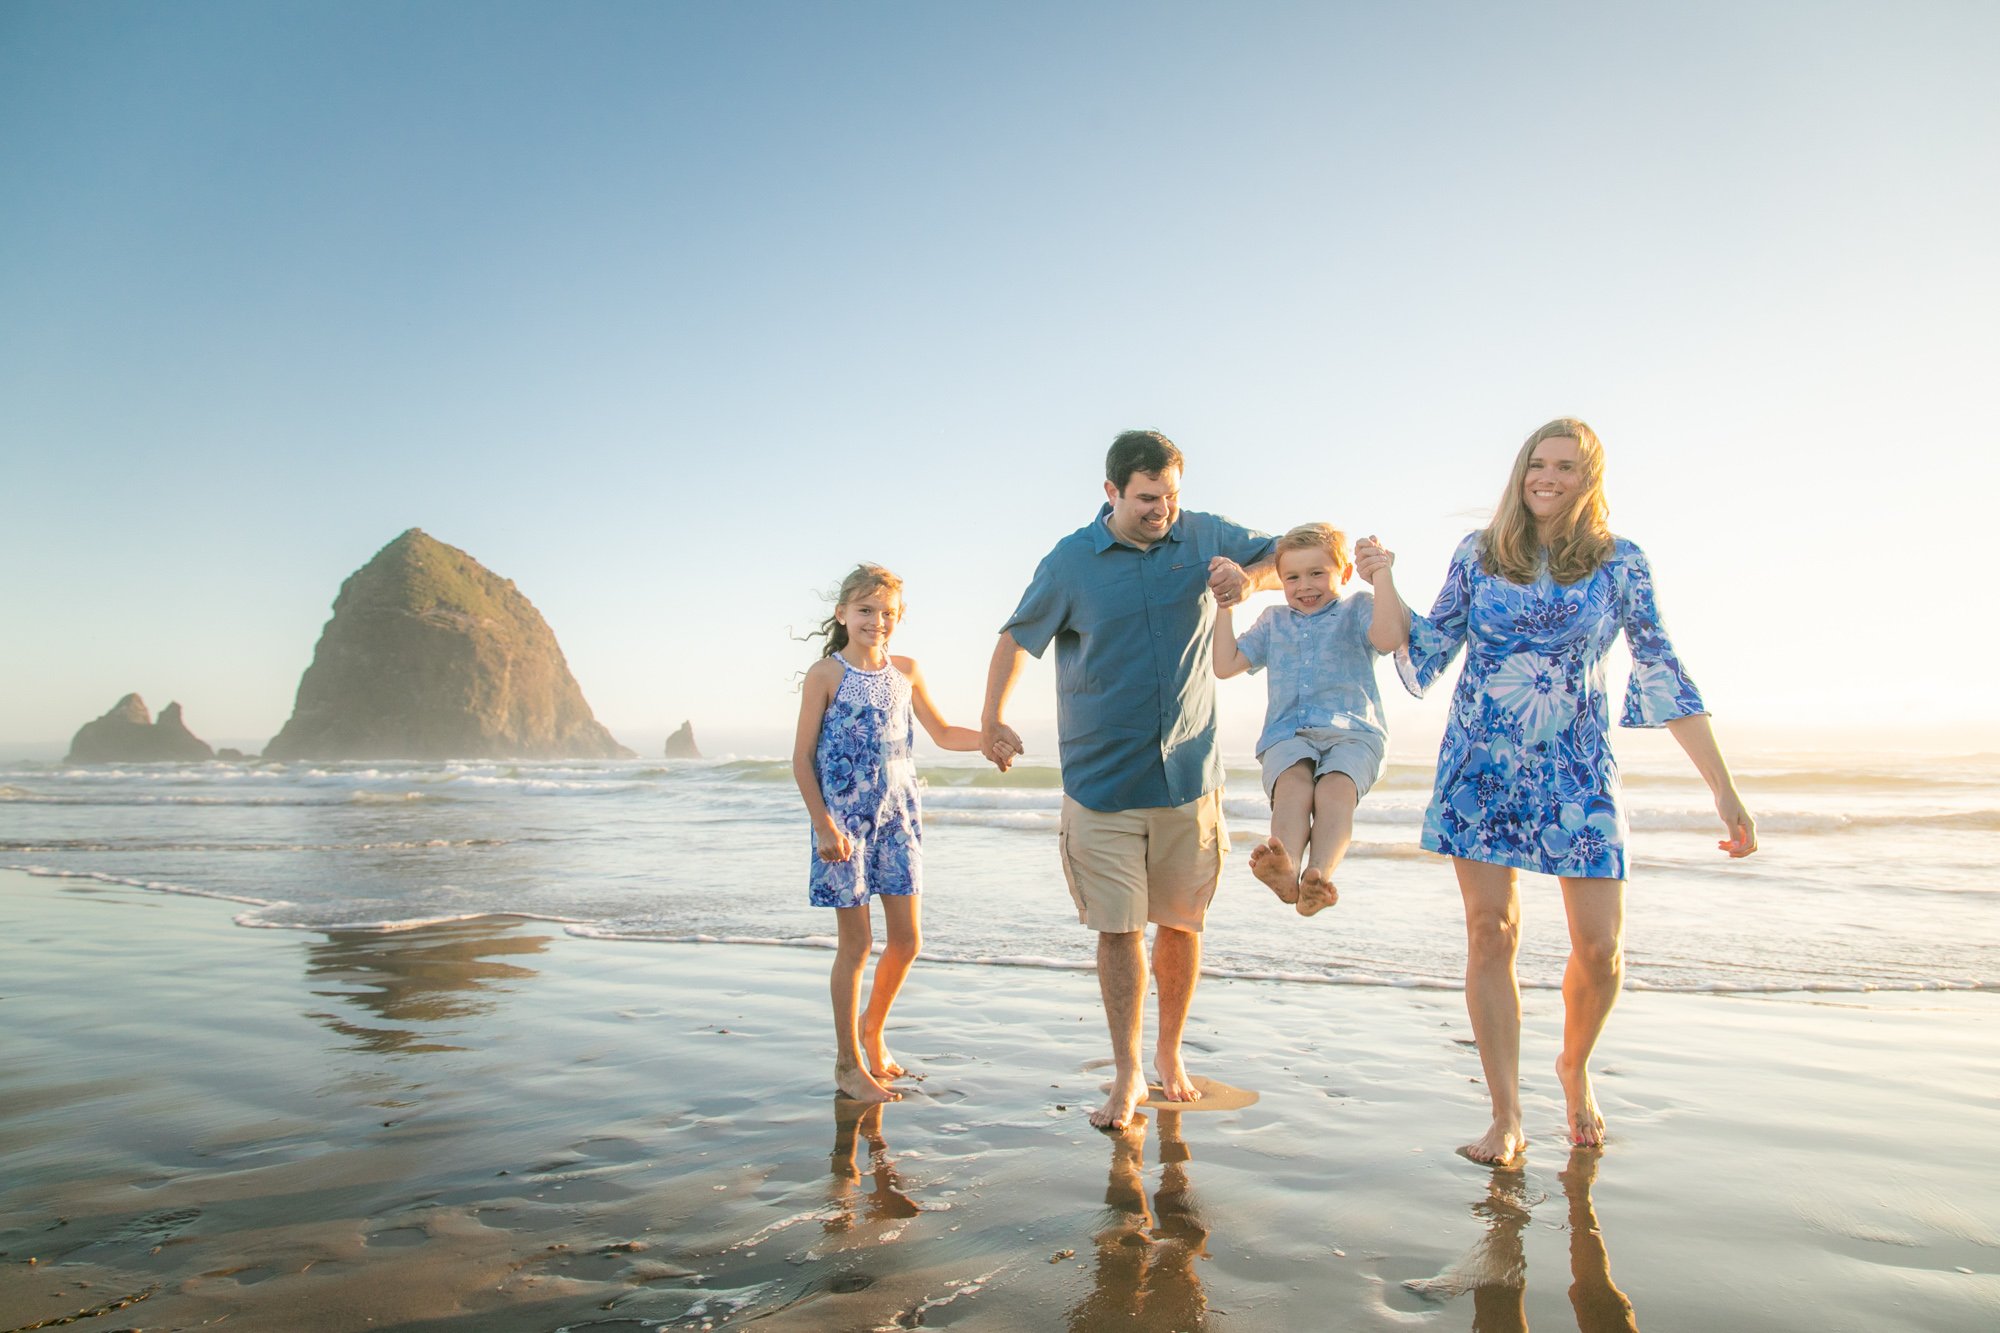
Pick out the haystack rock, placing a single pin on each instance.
(681, 744)
(430, 655)
(128, 734)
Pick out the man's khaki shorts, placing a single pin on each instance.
(1158, 864)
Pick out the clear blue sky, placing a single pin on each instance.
(672, 312)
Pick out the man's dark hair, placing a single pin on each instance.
(1145, 451)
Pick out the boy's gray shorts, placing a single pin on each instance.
(1329, 750)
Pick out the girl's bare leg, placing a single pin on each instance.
(850, 956)
(1334, 798)
(1591, 982)
(1493, 999)
(903, 936)
(1275, 860)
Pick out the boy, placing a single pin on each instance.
(1323, 736)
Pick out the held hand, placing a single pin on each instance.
(833, 843)
(1742, 829)
(1227, 581)
(1372, 558)
(1001, 745)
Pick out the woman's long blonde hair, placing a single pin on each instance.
(860, 581)
(1580, 537)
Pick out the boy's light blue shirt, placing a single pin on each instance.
(1134, 631)
(1322, 669)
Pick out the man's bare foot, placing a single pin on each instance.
(854, 1081)
(1174, 1080)
(1586, 1122)
(1270, 862)
(881, 1064)
(1127, 1091)
(1499, 1146)
(1316, 892)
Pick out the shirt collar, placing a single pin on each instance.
(1102, 540)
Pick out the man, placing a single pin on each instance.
(1126, 601)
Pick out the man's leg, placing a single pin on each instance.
(1121, 979)
(1176, 968)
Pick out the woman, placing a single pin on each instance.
(1525, 777)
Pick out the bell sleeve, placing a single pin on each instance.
(1436, 638)
(1658, 690)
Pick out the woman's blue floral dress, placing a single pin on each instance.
(867, 766)
(1525, 776)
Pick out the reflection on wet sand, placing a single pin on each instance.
(435, 974)
(1495, 1270)
(877, 1214)
(1145, 1277)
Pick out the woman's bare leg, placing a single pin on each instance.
(1493, 999)
(1591, 982)
(903, 936)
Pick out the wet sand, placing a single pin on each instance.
(490, 1126)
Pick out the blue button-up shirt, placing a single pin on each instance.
(1322, 669)
(1134, 630)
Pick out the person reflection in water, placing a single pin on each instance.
(1495, 1270)
(1145, 1276)
(885, 1208)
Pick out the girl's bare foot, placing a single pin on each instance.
(1316, 893)
(1500, 1145)
(1127, 1091)
(881, 1064)
(853, 1081)
(1270, 862)
(1174, 1080)
(1586, 1122)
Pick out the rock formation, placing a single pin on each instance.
(128, 734)
(430, 655)
(681, 744)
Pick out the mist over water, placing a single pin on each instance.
(1874, 875)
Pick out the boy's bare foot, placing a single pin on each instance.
(1316, 893)
(1586, 1122)
(1174, 1080)
(854, 1081)
(1127, 1091)
(1270, 862)
(1500, 1145)
(881, 1064)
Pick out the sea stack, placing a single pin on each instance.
(681, 744)
(430, 655)
(128, 734)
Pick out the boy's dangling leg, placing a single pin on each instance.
(1272, 861)
(1334, 799)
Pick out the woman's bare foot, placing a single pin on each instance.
(1586, 1122)
(1127, 1091)
(1316, 893)
(881, 1064)
(1500, 1145)
(1270, 862)
(854, 1081)
(1174, 1080)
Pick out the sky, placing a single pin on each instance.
(673, 312)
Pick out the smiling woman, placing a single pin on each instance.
(1525, 779)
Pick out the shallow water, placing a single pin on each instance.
(1875, 873)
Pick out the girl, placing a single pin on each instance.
(854, 764)
(1525, 779)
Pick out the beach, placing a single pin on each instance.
(490, 1124)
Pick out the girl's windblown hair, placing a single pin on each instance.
(1579, 538)
(863, 579)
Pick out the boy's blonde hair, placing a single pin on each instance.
(1325, 536)
(1580, 538)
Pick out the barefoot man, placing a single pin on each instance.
(1129, 602)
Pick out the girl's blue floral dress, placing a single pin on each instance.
(1525, 776)
(867, 766)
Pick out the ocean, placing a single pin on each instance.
(1875, 873)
